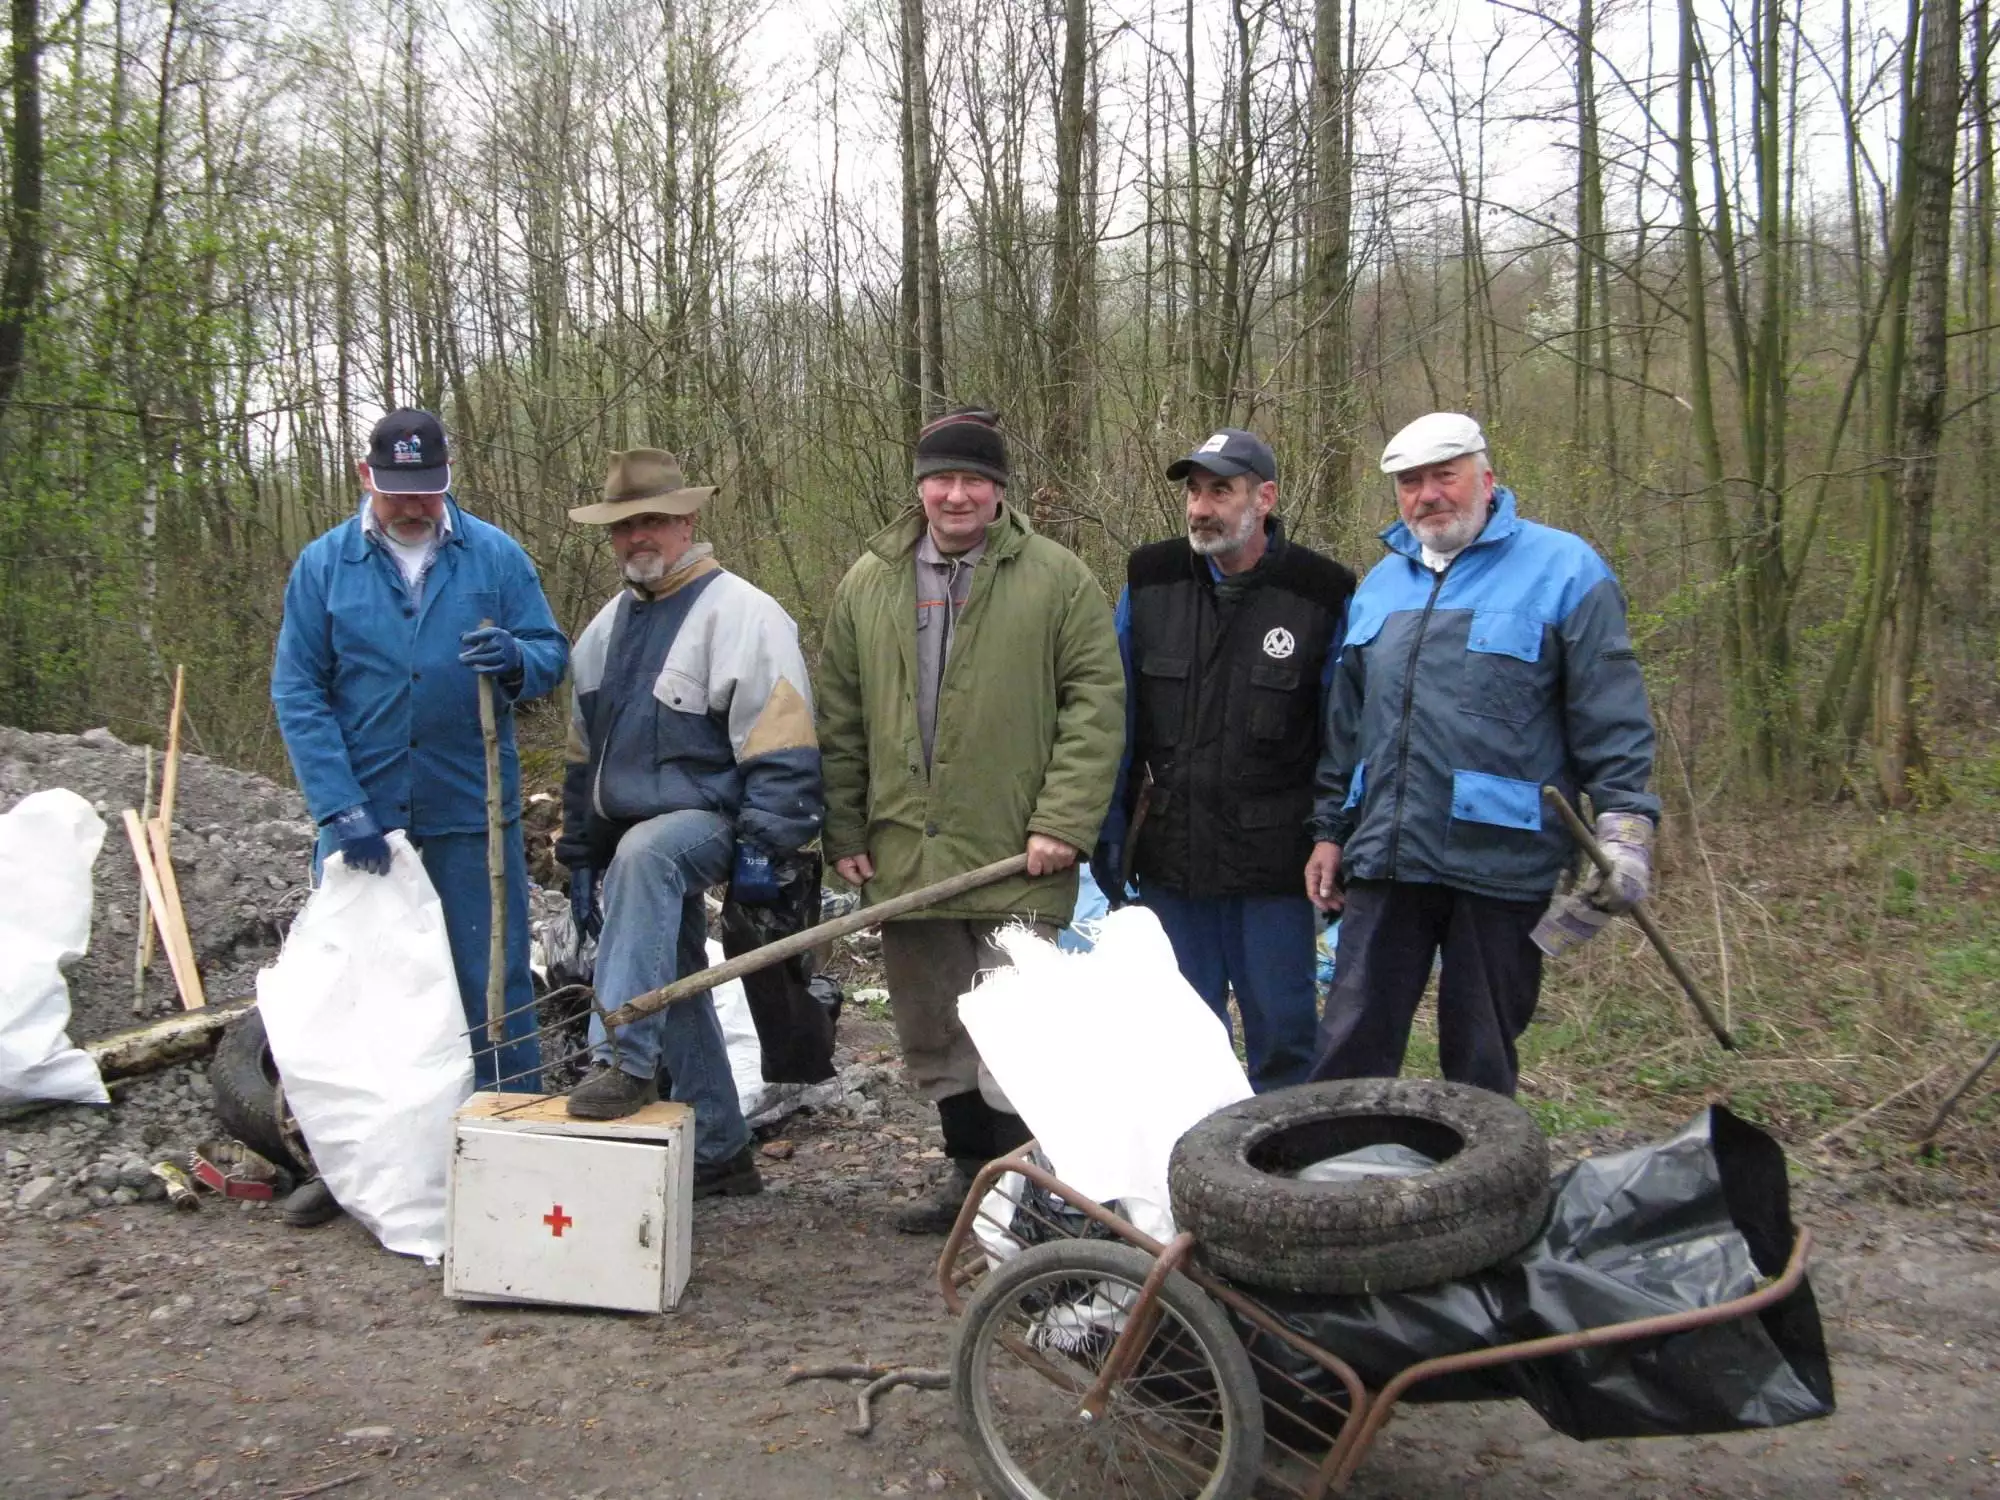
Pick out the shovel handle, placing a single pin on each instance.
(1640, 913)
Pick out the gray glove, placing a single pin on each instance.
(1628, 839)
(1575, 918)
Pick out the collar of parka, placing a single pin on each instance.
(697, 562)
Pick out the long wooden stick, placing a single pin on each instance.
(496, 866)
(1644, 917)
(1959, 1091)
(170, 780)
(145, 947)
(812, 937)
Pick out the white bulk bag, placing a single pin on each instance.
(48, 842)
(366, 1027)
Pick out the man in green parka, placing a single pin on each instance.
(972, 706)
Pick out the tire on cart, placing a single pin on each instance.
(1188, 1422)
(249, 1100)
(1233, 1184)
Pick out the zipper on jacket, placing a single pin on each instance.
(1409, 696)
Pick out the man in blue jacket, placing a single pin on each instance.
(390, 620)
(1485, 657)
(692, 761)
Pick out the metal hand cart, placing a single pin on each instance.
(1094, 1361)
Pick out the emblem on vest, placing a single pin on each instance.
(1278, 644)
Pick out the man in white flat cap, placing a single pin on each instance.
(1486, 656)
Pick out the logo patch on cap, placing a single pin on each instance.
(408, 450)
(1278, 644)
(1215, 444)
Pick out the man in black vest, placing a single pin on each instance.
(1229, 636)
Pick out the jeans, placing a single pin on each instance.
(659, 864)
(1488, 984)
(1262, 947)
(456, 864)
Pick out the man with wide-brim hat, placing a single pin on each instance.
(692, 761)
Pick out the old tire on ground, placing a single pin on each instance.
(1232, 1182)
(1188, 1422)
(247, 1097)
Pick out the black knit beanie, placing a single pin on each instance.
(968, 440)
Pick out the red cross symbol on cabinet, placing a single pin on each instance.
(557, 1221)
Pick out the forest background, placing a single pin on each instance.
(1717, 276)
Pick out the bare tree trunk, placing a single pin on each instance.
(21, 285)
(1329, 293)
(1069, 400)
(1930, 146)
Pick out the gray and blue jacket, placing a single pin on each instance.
(1459, 694)
(695, 697)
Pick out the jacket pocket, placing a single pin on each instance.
(1275, 708)
(1504, 675)
(1501, 801)
(1163, 686)
(680, 692)
(1356, 786)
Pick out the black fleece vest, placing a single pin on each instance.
(1228, 713)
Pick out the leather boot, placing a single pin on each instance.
(936, 1212)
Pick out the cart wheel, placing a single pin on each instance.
(1188, 1422)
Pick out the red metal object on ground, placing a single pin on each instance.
(231, 1175)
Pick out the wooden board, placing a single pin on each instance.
(173, 930)
(545, 1114)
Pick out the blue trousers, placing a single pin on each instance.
(1263, 948)
(456, 864)
(660, 863)
(1488, 982)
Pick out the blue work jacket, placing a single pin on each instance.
(1459, 695)
(372, 700)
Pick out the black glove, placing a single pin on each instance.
(583, 908)
(1107, 862)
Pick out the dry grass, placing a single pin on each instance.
(1855, 956)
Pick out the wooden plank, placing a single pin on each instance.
(149, 876)
(143, 954)
(173, 922)
(170, 776)
(549, 1114)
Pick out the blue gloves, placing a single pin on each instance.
(491, 649)
(583, 908)
(362, 845)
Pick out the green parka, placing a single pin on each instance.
(1030, 720)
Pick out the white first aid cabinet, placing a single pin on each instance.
(591, 1213)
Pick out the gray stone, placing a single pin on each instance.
(16, 1161)
(34, 1194)
(100, 738)
(238, 1313)
(135, 1173)
(124, 1197)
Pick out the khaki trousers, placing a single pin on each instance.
(929, 964)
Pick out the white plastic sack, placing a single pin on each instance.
(761, 1102)
(1108, 1055)
(363, 1013)
(48, 842)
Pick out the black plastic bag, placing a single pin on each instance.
(794, 1029)
(1684, 1223)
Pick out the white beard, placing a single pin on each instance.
(1452, 538)
(1228, 542)
(645, 569)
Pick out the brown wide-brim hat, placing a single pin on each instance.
(645, 481)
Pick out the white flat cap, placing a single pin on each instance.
(1431, 440)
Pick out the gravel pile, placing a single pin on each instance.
(242, 847)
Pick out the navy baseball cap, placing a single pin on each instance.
(407, 454)
(1228, 451)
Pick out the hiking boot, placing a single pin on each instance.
(310, 1205)
(737, 1177)
(937, 1213)
(611, 1094)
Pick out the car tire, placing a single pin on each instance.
(1232, 1183)
(248, 1098)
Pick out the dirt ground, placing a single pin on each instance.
(154, 1353)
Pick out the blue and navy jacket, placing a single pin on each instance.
(1459, 694)
(373, 703)
(695, 697)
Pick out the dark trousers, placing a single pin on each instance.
(1390, 933)
(1260, 947)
